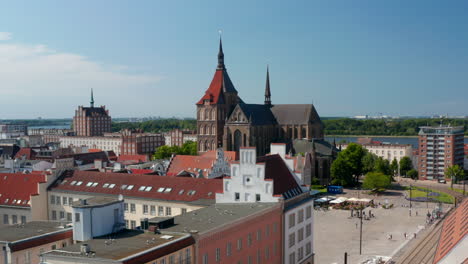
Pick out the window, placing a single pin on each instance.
(77, 217)
(218, 254)
(237, 196)
(160, 210)
(300, 254)
(171, 259)
(132, 208)
(257, 197)
(27, 257)
(275, 227)
(292, 258)
(54, 247)
(54, 215)
(249, 260)
(300, 234)
(145, 209)
(259, 257)
(300, 217)
(130, 187)
(239, 244)
(228, 249)
(187, 255)
(259, 234)
(14, 219)
(292, 220)
(70, 200)
(132, 224)
(184, 211)
(308, 212)
(23, 219)
(267, 252)
(142, 188)
(168, 211)
(69, 217)
(62, 215)
(126, 207)
(153, 210)
(267, 231)
(308, 230)
(249, 239)
(205, 258)
(52, 199)
(292, 239)
(64, 200)
(308, 248)
(5, 219)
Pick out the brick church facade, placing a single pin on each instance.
(224, 120)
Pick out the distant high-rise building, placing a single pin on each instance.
(439, 148)
(91, 121)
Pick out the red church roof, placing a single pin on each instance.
(214, 93)
(140, 185)
(16, 188)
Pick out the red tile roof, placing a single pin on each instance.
(28, 153)
(16, 188)
(193, 164)
(214, 92)
(144, 186)
(134, 158)
(141, 171)
(454, 229)
(277, 170)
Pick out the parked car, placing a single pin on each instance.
(442, 181)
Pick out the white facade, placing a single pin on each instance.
(220, 166)
(247, 183)
(298, 232)
(103, 143)
(388, 151)
(97, 220)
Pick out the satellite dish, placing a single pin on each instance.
(120, 197)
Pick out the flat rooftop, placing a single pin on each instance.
(119, 245)
(216, 215)
(97, 201)
(12, 233)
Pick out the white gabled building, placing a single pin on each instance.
(264, 179)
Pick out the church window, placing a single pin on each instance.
(213, 130)
(213, 114)
(202, 114)
(207, 114)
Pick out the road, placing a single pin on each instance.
(433, 185)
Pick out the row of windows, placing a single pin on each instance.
(181, 259)
(300, 216)
(259, 256)
(300, 235)
(151, 209)
(61, 216)
(300, 253)
(58, 200)
(14, 219)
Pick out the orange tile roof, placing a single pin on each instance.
(214, 92)
(455, 228)
(16, 189)
(193, 164)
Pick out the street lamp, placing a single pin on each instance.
(360, 233)
(410, 196)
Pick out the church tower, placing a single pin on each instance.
(215, 106)
(267, 89)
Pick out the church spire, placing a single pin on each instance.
(92, 98)
(267, 88)
(220, 56)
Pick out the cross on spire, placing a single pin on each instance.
(220, 56)
(92, 98)
(267, 88)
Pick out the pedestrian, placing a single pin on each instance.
(391, 236)
(404, 235)
(356, 225)
(414, 235)
(416, 213)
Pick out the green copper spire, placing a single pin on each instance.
(92, 98)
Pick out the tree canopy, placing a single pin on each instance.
(455, 173)
(413, 174)
(164, 152)
(376, 180)
(405, 165)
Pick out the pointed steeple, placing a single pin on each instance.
(267, 88)
(220, 56)
(92, 98)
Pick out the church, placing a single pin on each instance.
(225, 120)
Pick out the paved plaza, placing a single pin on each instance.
(336, 232)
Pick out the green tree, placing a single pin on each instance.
(368, 162)
(353, 155)
(455, 173)
(376, 180)
(394, 167)
(163, 152)
(189, 148)
(341, 172)
(382, 166)
(413, 174)
(405, 165)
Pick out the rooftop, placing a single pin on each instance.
(123, 245)
(16, 189)
(138, 185)
(193, 164)
(12, 233)
(95, 202)
(214, 216)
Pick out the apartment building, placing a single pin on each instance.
(146, 196)
(439, 148)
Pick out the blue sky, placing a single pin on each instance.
(156, 58)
